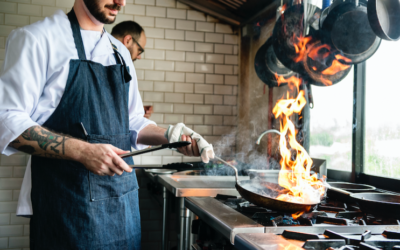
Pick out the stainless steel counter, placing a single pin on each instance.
(262, 241)
(182, 186)
(199, 186)
(221, 217)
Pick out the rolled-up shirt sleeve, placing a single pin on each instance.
(137, 121)
(22, 80)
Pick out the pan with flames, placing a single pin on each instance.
(297, 190)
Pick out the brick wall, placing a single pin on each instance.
(189, 73)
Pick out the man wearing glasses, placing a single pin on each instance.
(132, 35)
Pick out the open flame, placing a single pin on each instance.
(292, 81)
(296, 164)
(300, 45)
(298, 185)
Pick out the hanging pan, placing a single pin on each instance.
(347, 29)
(322, 66)
(289, 28)
(384, 18)
(267, 65)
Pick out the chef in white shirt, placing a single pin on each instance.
(69, 97)
(132, 35)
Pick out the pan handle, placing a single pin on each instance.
(340, 191)
(231, 166)
(148, 150)
(267, 132)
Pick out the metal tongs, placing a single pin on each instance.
(148, 150)
(177, 166)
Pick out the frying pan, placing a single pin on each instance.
(347, 29)
(349, 187)
(314, 69)
(287, 27)
(384, 18)
(379, 203)
(251, 190)
(352, 187)
(267, 65)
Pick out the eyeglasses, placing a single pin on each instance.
(141, 50)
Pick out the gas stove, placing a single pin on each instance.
(329, 212)
(333, 224)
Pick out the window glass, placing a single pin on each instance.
(382, 119)
(331, 123)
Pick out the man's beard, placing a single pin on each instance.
(96, 12)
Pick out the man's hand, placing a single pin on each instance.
(104, 159)
(174, 134)
(148, 110)
(189, 150)
(101, 159)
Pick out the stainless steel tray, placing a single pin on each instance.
(160, 171)
(200, 186)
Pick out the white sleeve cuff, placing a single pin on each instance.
(12, 125)
(135, 133)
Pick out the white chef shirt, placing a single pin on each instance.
(33, 79)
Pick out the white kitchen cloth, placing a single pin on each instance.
(174, 134)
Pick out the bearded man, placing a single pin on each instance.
(69, 98)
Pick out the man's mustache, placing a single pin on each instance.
(113, 7)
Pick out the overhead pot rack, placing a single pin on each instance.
(345, 33)
(293, 46)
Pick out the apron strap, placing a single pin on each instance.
(77, 34)
(127, 76)
(118, 58)
(81, 49)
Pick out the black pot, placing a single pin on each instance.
(267, 65)
(287, 28)
(315, 69)
(384, 18)
(347, 29)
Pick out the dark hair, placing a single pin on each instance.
(127, 28)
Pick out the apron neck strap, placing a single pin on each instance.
(120, 60)
(77, 34)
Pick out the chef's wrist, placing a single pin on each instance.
(79, 150)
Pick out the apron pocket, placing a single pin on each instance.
(107, 187)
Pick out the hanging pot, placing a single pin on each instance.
(319, 65)
(267, 65)
(347, 29)
(384, 18)
(288, 28)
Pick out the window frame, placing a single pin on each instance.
(357, 174)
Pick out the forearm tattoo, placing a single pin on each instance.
(52, 144)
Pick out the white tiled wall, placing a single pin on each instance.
(188, 73)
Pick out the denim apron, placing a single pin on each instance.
(72, 207)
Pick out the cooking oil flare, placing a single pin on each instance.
(295, 175)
